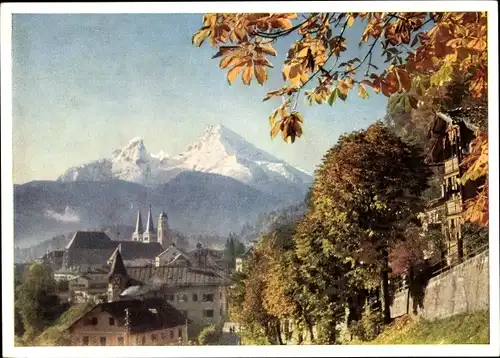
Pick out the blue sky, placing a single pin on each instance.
(84, 85)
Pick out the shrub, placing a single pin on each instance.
(209, 336)
(368, 327)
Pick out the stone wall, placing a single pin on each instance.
(464, 288)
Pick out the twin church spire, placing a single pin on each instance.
(150, 235)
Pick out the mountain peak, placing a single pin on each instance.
(135, 151)
(220, 131)
(135, 142)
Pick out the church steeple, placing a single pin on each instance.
(118, 277)
(150, 224)
(163, 237)
(150, 234)
(137, 235)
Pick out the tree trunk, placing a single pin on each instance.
(311, 333)
(278, 333)
(384, 275)
(332, 332)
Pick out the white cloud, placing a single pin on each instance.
(67, 216)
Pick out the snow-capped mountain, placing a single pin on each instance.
(221, 151)
(217, 151)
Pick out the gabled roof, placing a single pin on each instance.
(90, 240)
(173, 248)
(53, 254)
(178, 258)
(133, 250)
(143, 315)
(117, 267)
(174, 276)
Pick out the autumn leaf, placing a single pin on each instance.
(350, 20)
(247, 74)
(260, 74)
(404, 79)
(200, 36)
(267, 49)
(333, 96)
(233, 72)
(276, 129)
(362, 91)
(225, 50)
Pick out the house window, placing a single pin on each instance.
(153, 337)
(169, 297)
(143, 340)
(171, 334)
(120, 341)
(208, 313)
(94, 321)
(180, 333)
(111, 321)
(182, 298)
(195, 297)
(208, 297)
(102, 341)
(163, 336)
(220, 295)
(85, 340)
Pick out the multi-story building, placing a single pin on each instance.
(198, 293)
(147, 322)
(451, 136)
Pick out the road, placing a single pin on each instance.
(229, 339)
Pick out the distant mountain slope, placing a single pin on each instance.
(195, 202)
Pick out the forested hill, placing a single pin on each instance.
(269, 222)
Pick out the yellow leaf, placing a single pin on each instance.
(233, 72)
(343, 88)
(226, 61)
(268, 49)
(350, 21)
(275, 130)
(362, 91)
(284, 23)
(298, 116)
(232, 61)
(303, 52)
(210, 19)
(247, 75)
(260, 74)
(304, 76)
(199, 37)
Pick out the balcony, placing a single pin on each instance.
(454, 207)
(451, 166)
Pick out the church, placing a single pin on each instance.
(150, 235)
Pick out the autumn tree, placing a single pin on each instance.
(246, 300)
(424, 52)
(367, 190)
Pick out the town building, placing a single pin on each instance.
(240, 260)
(53, 258)
(199, 293)
(451, 135)
(130, 322)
